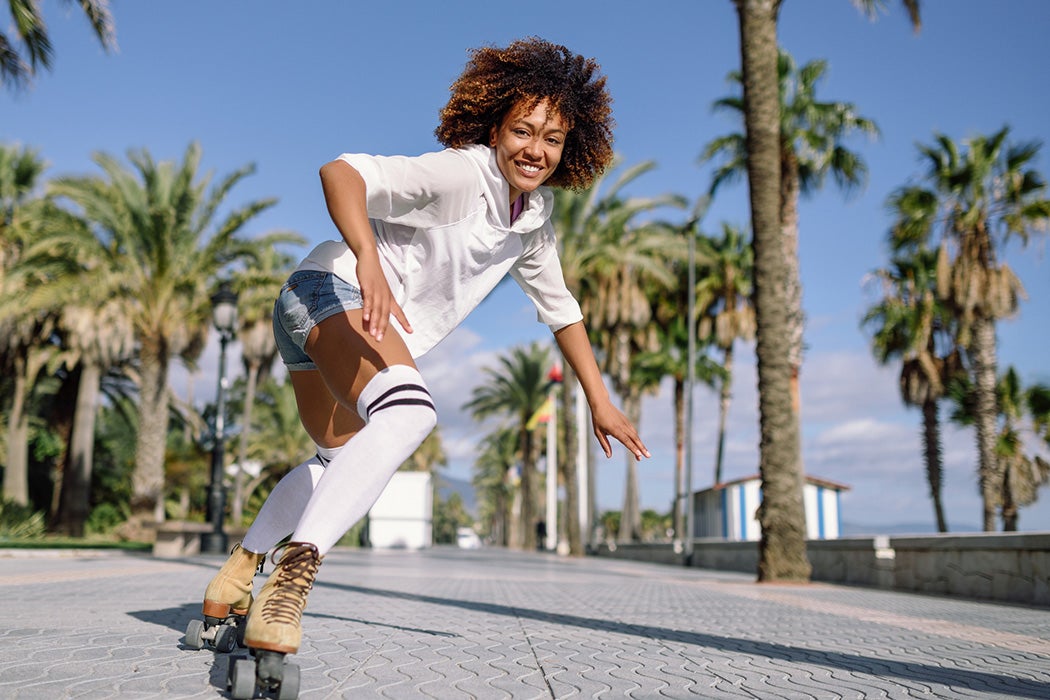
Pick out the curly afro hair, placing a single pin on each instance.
(496, 80)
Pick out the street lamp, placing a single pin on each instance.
(224, 316)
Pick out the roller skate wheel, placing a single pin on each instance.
(195, 634)
(225, 638)
(289, 689)
(242, 622)
(240, 680)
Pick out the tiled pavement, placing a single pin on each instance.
(448, 623)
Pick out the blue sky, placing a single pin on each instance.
(287, 90)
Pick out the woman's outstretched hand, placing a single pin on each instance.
(607, 421)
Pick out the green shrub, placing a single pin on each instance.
(106, 516)
(18, 522)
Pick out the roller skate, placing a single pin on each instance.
(274, 627)
(226, 603)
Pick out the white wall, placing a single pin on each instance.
(402, 518)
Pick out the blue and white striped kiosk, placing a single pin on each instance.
(727, 510)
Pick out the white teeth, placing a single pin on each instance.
(530, 168)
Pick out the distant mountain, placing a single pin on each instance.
(849, 529)
(448, 485)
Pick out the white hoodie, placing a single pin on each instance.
(442, 225)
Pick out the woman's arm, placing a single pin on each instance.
(344, 193)
(606, 419)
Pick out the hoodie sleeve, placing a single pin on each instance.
(539, 274)
(423, 191)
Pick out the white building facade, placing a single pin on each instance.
(403, 517)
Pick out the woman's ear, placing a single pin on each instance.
(493, 132)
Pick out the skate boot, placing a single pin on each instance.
(226, 603)
(274, 627)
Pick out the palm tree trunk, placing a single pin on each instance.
(1010, 507)
(725, 397)
(147, 479)
(789, 191)
(500, 530)
(567, 415)
(61, 425)
(76, 485)
(931, 437)
(630, 515)
(986, 412)
(16, 468)
(782, 549)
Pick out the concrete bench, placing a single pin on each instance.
(179, 538)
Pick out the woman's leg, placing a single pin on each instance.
(377, 381)
(283, 508)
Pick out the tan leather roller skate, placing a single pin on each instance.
(226, 603)
(274, 627)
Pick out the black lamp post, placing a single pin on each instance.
(224, 316)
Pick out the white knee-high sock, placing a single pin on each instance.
(284, 506)
(399, 414)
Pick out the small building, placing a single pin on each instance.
(403, 517)
(727, 510)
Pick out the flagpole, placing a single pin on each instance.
(552, 473)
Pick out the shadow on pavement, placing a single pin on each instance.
(917, 672)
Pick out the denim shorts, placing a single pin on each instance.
(306, 299)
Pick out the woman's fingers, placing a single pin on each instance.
(621, 429)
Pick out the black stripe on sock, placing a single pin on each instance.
(402, 402)
(400, 387)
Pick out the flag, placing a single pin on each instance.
(542, 414)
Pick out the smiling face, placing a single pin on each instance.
(528, 146)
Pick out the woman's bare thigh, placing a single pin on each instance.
(347, 358)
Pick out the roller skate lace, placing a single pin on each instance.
(295, 575)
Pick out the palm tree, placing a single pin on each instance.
(516, 390)
(611, 261)
(909, 323)
(1022, 474)
(812, 134)
(973, 201)
(32, 41)
(96, 337)
(782, 549)
(277, 440)
(491, 481)
(155, 227)
(588, 224)
(255, 288)
(24, 333)
(723, 296)
(1037, 399)
(628, 266)
(671, 359)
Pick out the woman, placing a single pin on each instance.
(423, 240)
